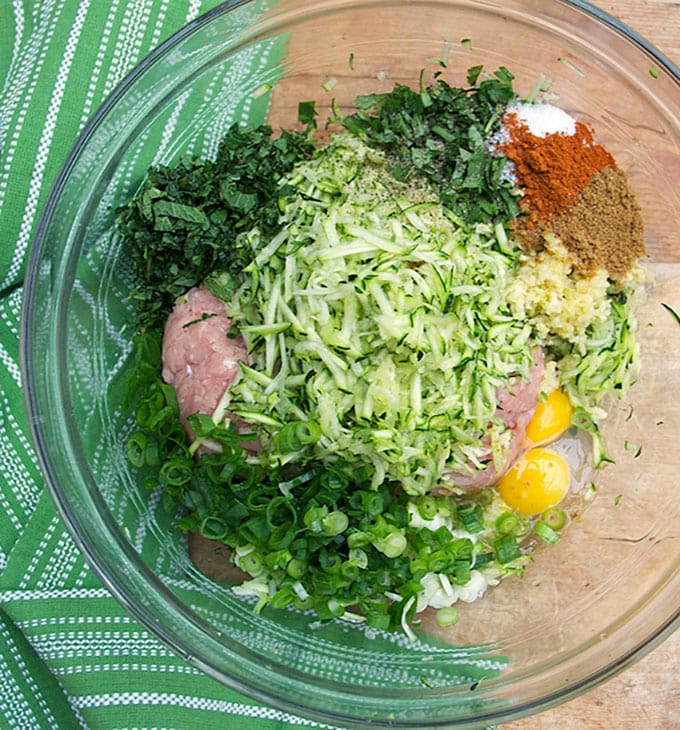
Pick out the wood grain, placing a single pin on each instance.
(657, 21)
(647, 695)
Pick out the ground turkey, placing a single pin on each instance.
(516, 406)
(200, 360)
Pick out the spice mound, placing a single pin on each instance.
(571, 188)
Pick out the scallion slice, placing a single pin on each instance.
(447, 616)
(554, 517)
(546, 533)
(296, 436)
(507, 549)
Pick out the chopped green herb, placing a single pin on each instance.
(654, 72)
(202, 318)
(566, 62)
(192, 219)
(672, 312)
(438, 133)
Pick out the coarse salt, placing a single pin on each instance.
(543, 119)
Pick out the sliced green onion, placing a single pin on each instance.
(571, 66)
(554, 517)
(392, 545)
(313, 516)
(296, 436)
(508, 523)
(472, 518)
(438, 561)
(296, 568)
(261, 90)
(482, 559)
(251, 563)
(507, 549)
(335, 608)
(177, 472)
(329, 83)
(372, 503)
(331, 562)
(283, 597)
(213, 528)
(447, 616)
(136, 449)
(405, 618)
(380, 621)
(334, 523)
(589, 492)
(358, 557)
(546, 533)
(358, 540)
(427, 507)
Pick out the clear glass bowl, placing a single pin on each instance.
(605, 595)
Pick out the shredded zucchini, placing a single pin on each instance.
(383, 318)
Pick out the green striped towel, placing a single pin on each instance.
(70, 655)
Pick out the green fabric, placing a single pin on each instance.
(30, 693)
(70, 655)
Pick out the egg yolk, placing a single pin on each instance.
(540, 479)
(551, 418)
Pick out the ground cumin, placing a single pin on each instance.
(602, 228)
(551, 170)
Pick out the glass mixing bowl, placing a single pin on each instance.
(602, 597)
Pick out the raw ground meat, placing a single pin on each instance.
(516, 407)
(200, 360)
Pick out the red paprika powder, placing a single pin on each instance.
(552, 170)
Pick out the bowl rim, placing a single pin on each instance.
(646, 645)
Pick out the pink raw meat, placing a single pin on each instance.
(516, 407)
(200, 360)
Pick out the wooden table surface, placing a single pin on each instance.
(647, 695)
